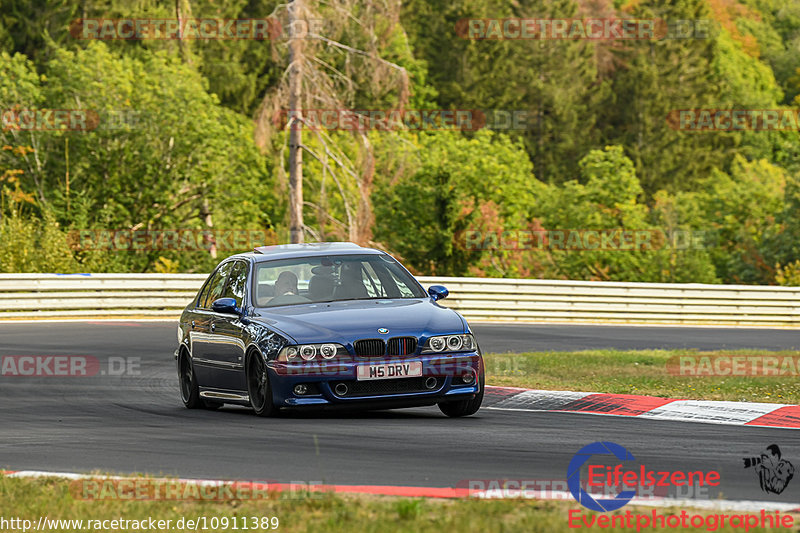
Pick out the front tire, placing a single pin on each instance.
(464, 407)
(258, 386)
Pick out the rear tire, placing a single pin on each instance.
(258, 386)
(464, 407)
(190, 391)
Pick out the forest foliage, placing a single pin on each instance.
(178, 141)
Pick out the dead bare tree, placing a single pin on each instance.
(296, 234)
(334, 51)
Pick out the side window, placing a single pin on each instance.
(236, 283)
(201, 296)
(216, 285)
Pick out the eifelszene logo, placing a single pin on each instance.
(605, 481)
(774, 473)
(574, 476)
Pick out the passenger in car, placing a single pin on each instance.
(320, 288)
(351, 285)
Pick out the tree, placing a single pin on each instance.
(164, 153)
(444, 190)
(656, 77)
(554, 84)
(609, 197)
(334, 69)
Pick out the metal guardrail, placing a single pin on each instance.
(96, 295)
(479, 299)
(517, 300)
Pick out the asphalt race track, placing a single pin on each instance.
(136, 422)
(521, 338)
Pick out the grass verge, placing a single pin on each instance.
(30, 499)
(642, 372)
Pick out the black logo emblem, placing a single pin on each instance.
(774, 473)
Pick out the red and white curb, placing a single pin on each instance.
(680, 503)
(771, 415)
(417, 492)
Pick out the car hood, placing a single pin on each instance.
(350, 320)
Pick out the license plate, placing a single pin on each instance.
(390, 371)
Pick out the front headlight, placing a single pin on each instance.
(449, 343)
(311, 352)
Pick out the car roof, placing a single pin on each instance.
(310, 249)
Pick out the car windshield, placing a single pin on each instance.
(332, 278)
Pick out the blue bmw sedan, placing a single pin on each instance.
(324, 325)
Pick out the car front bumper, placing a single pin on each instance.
(335, 384)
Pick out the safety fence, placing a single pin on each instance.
(479, 299)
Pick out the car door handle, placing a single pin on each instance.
(213, 327)
(192, 324)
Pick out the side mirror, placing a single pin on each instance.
(438, 292)
(225, 305)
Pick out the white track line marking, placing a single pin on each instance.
(717, 505)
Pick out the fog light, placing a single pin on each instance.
(300, 389)
(468, 377)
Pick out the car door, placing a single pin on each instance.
(226, 353)
(201, 336)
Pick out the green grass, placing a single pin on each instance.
(635, 372)
(31, 498)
